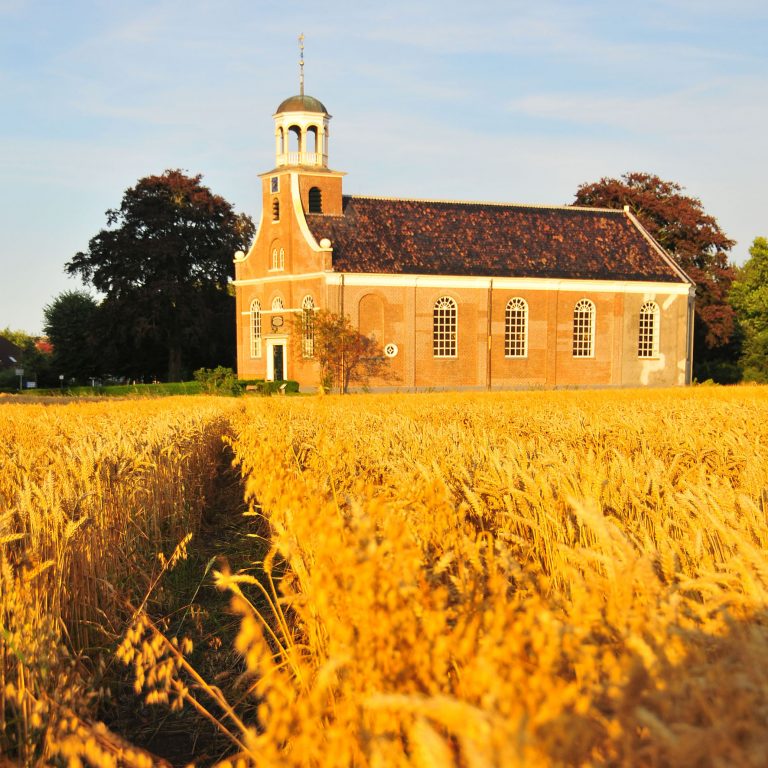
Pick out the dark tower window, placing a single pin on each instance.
(315, 200)
(275, 210)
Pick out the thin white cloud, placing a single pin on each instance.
(8, 7)
(722, 108)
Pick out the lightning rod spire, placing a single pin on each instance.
(301, 63)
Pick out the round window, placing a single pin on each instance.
(390, 350)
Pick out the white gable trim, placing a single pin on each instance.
(252, 246)
(656, 246)
(298, 213)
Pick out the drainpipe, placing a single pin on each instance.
(414, 348)
(689, 339)
(341, 307)
(489, 311)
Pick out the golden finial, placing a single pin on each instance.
(301, 63)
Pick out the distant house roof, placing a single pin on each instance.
(10, 354)
(382, 235)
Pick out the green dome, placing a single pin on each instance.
(302, 103)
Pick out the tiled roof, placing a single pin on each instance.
(389, 236)
(10, 354)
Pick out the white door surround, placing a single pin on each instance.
(277, 355)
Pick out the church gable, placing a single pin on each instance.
(390, 236)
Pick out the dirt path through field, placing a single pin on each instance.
(193, 607)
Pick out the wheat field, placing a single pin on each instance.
(471, 579)
(90, 495)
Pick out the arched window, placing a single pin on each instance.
(275, 209)
(516, 328)
(255, 328)
(315, 200)
(648, 335)
(308, 327)
(444, 325)
(278, 258)
(277, 304)
(583, 328)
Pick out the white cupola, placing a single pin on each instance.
(301, 132)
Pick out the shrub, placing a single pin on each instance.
(218, 381)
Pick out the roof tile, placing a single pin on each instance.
(378, 235)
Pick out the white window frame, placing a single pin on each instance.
(255, 328)
(277, 263)
(271, 344)
(516, 328)
(648, 331)
(307, 327)
(583, 339)
(445, 325)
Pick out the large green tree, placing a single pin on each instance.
(693, 237)
(71, 322)
(749, 296)
(163, 264)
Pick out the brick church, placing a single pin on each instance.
(457, 294)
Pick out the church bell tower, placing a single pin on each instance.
(301, 152)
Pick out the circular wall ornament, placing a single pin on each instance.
(390, 350)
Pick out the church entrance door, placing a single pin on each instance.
(276, 360)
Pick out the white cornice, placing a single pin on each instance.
(280, 277)
(369, 280)
(507, 283)
(305, 171)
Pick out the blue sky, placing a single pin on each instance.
(485, 100)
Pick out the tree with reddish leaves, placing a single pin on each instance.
(345, 355)
(163, 265)
(693, 238)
